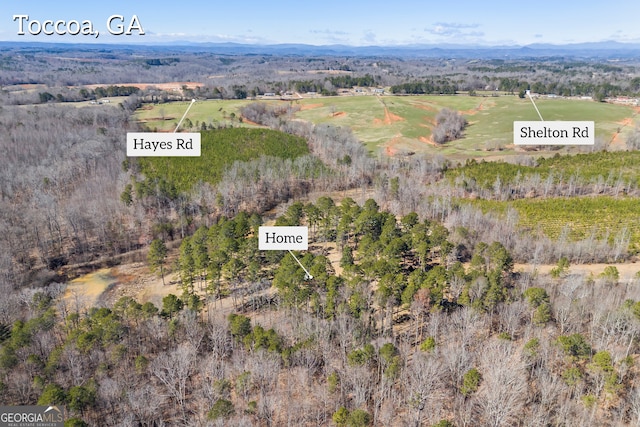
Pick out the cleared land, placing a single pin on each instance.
(164, 117)
(86, 291)
(401, 124)
(490, 120)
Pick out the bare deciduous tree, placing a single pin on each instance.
(173, 370)
(503, 391)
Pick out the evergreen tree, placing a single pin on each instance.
(157, 257)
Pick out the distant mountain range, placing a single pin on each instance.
(606, 49)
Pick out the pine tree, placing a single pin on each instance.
(157, 256)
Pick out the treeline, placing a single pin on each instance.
(564, 87)
(155, 62)
(349, 81)
(550, 64)
(67, 94)
(513, 85)
(599, 91)
(102, 92)
(326, 86)
(305, 86)
(587, 219)
(428, 87)
(337, 162)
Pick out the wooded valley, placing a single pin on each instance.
(446, 291)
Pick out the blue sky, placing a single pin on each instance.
(360, 23)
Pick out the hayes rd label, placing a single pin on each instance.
(157, 144)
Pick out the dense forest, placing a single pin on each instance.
(229, 76)
(404, 334)
(417, 313)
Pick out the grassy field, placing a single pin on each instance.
(164, 117)
(394, 124)
(408, 125)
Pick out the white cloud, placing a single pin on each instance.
(369, 37)
(454, 30)
(329, 32)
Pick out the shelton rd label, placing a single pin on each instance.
(553, 133)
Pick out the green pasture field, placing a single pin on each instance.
(164, 117)
(407, 125)
(603, 217)
(490, 119)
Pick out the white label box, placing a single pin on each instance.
(160, 144)
(554, 133)
(283, 238)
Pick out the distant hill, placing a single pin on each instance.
(605, 49)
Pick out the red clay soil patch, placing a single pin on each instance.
(249, 122)
(156, 119)
(428, 141)
(392, 118)
(481, 107)
(423, 106)
(473, 110)
(616, 138)
(389, 146)
(339, 114)
(389, 118)
(310, 106)
(431, 120)
(616, 141)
